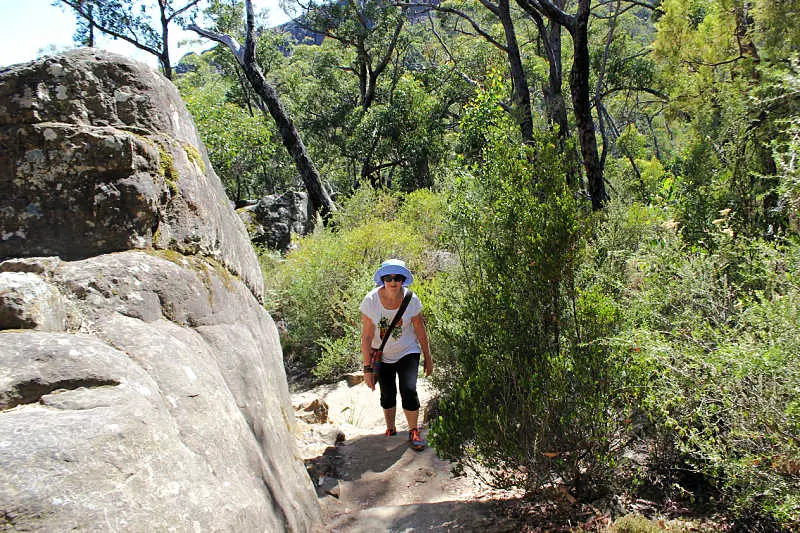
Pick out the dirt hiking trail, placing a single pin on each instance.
(368, 482)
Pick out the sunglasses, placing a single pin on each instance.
(396, 277)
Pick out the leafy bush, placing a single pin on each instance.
(631, 523)
(530, 396)
(424, 210)
(242, 147)
(789, 174)
(364, 205)
(636, 173)
(717, 339)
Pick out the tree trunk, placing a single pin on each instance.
(369, 94)
(163, 57)
(553, 96)
(578, 27)
(554, 102)
(90, 31)
(319, 199)
(363, 76)
(166, 65)
(581, 102)
(521, 94)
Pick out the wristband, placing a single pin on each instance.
(367, 369)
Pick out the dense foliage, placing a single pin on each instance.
(533, 384)
(317, 288)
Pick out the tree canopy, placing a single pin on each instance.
(144, 25)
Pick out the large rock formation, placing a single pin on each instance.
(141, 381)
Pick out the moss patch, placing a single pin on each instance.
(194, 156)
(166, 168)
(248, 219)
(204, 267)
(166, 163)
(170, 255)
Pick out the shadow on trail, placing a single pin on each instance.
(351, 460)
(373, 453)
(429, 517)
(376, 483)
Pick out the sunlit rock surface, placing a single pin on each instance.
(141, 381)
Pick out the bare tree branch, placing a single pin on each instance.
(185, 8)
(661, 96)
(390, 50)
(614, 15)
(250, 34)
(78, 7)
(449, 54)
(697, 62)
(480, 31)
(554, 13)
(633, 3)
(227, 40)
(491, 7)
(601, 80)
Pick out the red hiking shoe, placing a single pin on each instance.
(415, 439)
(391, 432)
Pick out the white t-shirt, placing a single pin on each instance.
(403, 340)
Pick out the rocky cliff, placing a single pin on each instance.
(141, 381)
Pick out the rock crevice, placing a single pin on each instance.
(32, 391)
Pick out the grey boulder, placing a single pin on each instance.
(142, 385)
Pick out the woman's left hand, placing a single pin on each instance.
(428, 366)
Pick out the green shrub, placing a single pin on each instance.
(530, 397)
(718, 336)
(636, 173)
(633, 523)
(424, 210)
(785, 154)
(365, 205)
(339, 355)
(700, 190)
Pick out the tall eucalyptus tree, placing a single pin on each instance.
(577, 24)
(372, 28)
(371, 35)
(508, 44)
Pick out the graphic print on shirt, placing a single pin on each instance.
(383, 325)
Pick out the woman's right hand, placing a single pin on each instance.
(369, 379)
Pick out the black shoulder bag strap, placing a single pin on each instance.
(396, 318)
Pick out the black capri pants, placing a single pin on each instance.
(405, 370)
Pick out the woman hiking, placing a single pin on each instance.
(399, 363)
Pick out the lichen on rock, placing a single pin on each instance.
(120, 128)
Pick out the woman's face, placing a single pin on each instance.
(393, 281)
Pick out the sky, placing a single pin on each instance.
(30, 28)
